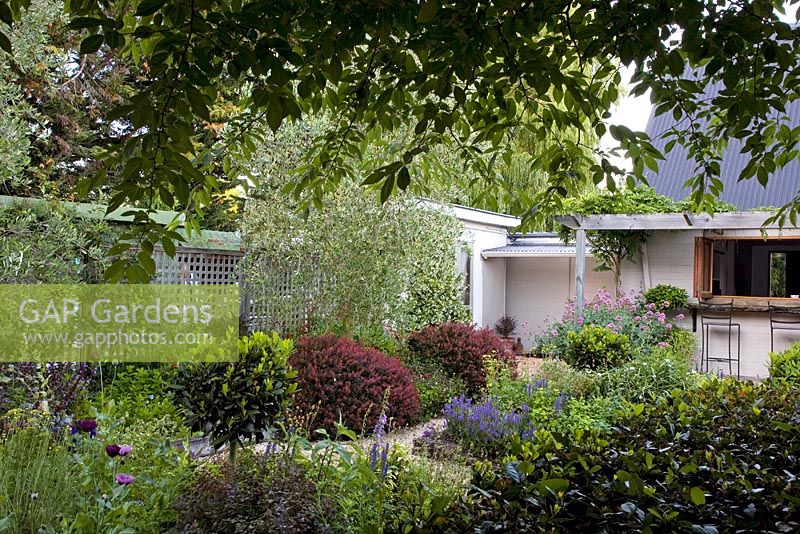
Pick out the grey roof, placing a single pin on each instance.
(538, 244)
(677, 168)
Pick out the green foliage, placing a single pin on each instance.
(649, 376)
(377, 77)
(377, 487)
(596, 347)
(643, 324)
(140, 394)
(233, 402)
(354, 264)
(668, 466)
(562, 377)
(666, 297)
(49, 243)
(435, 388)
(785, 366)
(36, 481)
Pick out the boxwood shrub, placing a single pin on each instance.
(719, 458)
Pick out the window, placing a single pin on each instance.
(464, 262)
(745, 267)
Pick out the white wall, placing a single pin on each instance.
(538, 288)
(671, 259)
(488, 279)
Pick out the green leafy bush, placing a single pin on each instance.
(435, 388)
(232, 402)
(562, 377)
(719, 458)
(648, 376)
(596, 347)
(643, 324)
(48, 243)
(140, 394)
(786, 365)
(667, 297)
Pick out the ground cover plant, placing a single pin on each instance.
(717, 458)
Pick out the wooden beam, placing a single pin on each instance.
(688, 219)
(670, 221)
(580, 266)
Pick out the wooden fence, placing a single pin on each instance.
(273, 300)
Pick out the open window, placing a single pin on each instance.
(747, 267)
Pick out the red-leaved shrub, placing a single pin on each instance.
(459, 349)
(337, 377)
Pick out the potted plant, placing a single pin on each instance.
(505, 327)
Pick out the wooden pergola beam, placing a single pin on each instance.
(669, 221)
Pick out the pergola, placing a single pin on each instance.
(754, 220)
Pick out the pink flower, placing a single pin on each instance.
(610, 326)
(668, 326)
(554, 332)
(123, 479)
(637, 319)
(645, 328)
(124, 450)
(663, 344)
(665, 304)
(680, 317)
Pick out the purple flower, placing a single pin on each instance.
(124, 450)
(112, 450)
(87, 425)
(123, 479)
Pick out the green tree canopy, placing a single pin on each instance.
(459, 73)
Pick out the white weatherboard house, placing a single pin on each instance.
(731, 257)
(528, 276)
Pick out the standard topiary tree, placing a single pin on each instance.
(233, 402)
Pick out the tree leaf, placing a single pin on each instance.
(427, 11)
(91, 44)
(148, 7)
(698, 496)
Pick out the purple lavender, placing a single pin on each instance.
(485, 424)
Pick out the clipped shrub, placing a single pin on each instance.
(596, 347)
(458, 348)
(667, 297)
(786, 365)
(340, 380)
(720, 458)
(232, 402)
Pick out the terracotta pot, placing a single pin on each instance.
(508, 343)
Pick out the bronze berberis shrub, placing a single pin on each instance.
(721, 458)
(459, 349)
(341, 380)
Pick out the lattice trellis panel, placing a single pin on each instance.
(197, 266)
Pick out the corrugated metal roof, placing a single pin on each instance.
(533, 245)
(212, 240)
(745, 195)
(97, 211)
